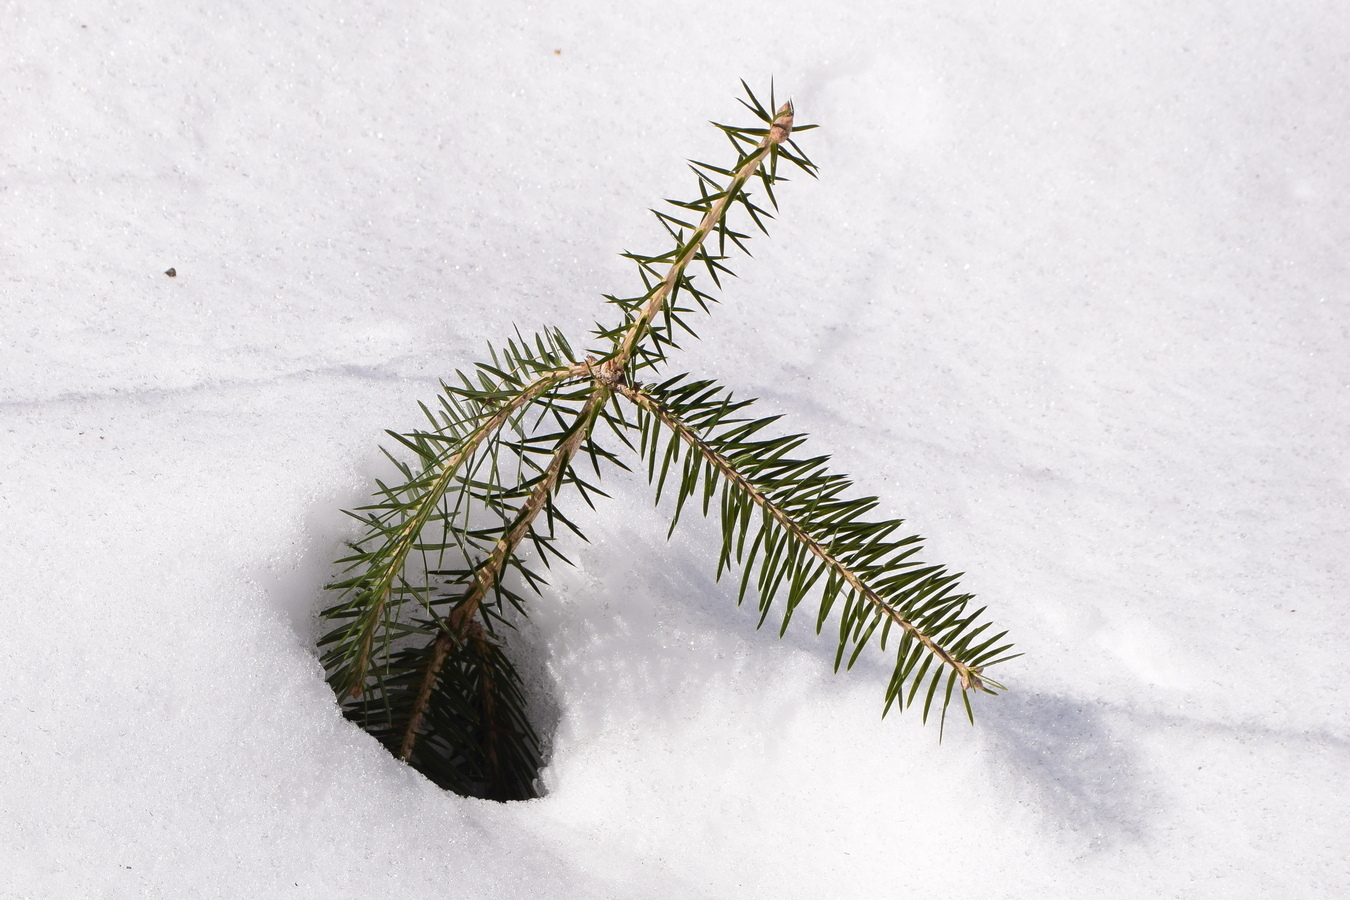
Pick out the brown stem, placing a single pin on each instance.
(491, 729)
(778, 133)
(970, 679)
(440, 649)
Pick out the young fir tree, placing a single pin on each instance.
(413, 646)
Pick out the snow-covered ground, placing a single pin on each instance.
(1071, 295)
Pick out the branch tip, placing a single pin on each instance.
(781, 129)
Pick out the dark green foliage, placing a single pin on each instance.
(426, 537)
(788, 525)
(414, 643)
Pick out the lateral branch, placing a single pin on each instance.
(403, 542)
(970, 678)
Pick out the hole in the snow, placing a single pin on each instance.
(468, 710)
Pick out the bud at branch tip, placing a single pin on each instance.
(782, 124)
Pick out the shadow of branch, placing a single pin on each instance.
(1062, 753)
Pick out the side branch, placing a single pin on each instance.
(403, 541)
(458, 627)
(969, 676)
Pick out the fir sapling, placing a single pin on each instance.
(413, 642)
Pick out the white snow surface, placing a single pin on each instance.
(1070, 296)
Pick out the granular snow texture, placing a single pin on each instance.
(1070, 296)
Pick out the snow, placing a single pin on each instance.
(1070, 295)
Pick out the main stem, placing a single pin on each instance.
(778, 133)
(607, 376)
(461, 618)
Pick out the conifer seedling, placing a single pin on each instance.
(413, 646)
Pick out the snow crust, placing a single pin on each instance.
(1070, 295)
